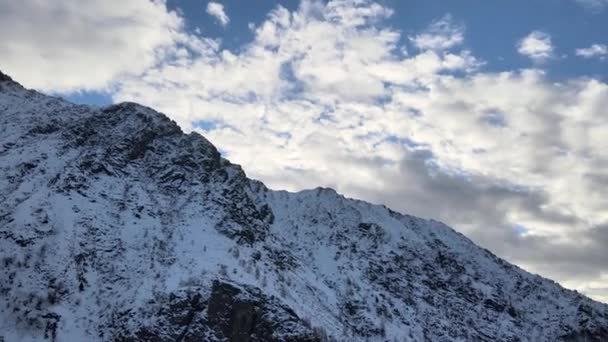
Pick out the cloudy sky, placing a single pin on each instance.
(490, 116)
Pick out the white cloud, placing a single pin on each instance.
(594, 5)
(596, 50)
(537, 45)
(216, 10)
(440, 35)
(324, 95)
(74, 45)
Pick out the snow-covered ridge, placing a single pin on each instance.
(115, 225)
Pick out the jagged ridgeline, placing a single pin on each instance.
(117, 226)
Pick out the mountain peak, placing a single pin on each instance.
(117, 226)
(5, 78)
(8, 83)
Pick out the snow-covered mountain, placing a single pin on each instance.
(117, 226)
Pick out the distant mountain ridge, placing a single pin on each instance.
(117, 226)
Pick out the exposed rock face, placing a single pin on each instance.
(5, 78)
(228, 313)
(117, 226)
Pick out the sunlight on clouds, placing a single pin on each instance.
(441, 34)
(594, 51)
(114, 37)
(537, 45)
(216, 10)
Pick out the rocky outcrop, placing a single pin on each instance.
(228, 313)
(5, 78)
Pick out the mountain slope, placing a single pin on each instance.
(115, 225)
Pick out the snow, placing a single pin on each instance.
(110, 209)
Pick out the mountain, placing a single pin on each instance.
(117, 226)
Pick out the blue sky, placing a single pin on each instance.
(488, 115)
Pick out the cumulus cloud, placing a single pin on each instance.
(81, 45)
(594, 51)
(325, 96)
(442, 34)
(537, 45)
(216, 10)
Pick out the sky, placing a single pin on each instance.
(491, 116)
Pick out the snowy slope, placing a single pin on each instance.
(115, 225)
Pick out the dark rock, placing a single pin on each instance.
(5, 78)
(229, 314)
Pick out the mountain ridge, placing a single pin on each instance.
(114, 213)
